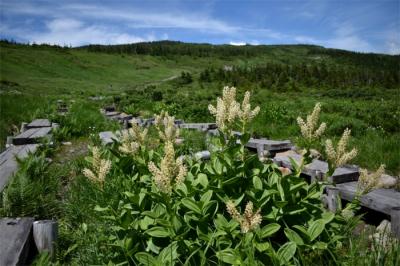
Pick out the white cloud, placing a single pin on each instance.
(65, 31)
(237, 43)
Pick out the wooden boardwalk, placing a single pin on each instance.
(381, 200)
(32, 135)
(9, 164)
(39, 123)
(15, 240)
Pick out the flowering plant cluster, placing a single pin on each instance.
(231, 209)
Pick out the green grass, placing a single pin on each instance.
(33, 78)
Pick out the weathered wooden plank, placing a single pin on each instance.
(381, 200)
(318, 169)
(45, 234)
(270, 145)
(395, 221)
(39, 123)
(109, 108)
(121, 117)
(199, 126)
(112, 113)
(8, 163)
(9, 153)
(31, 136)
(15, 239)
(346, 173)
(202, 155)
(107, 137)
(178, 122)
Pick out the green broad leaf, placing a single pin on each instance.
(146, 222)
(191, 205)
(158, 231)
(280, 204)
(206, 197)
(84, 227)
(182, 189)
(210, 169)
(293, 236)
(298, 186)
(145, 258)
(286, 252)
(316, 229)
(320, 245)
(176, 223)
(232, 180)
(327, 217)
(269, 230)
(302, 229)
(261, 247)
(129, 194)
(257, 183)
(169, 254)
(281, 191)
(228, 256)
(220, 222)
(100, 209)
(217, 165)
(202, 180)
(152, 247)
(238, 200)
(151, 214)
(142, 195)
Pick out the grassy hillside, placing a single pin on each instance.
(145, 78)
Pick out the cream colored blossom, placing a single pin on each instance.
(249, 220)
(100, 167)
(228, 110)
(132, 139)
(165, 125)
(171, 170)
(339, 156)
(370, 181)
(309, 128)
(246, 114)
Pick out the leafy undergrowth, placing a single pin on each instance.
(141, 202)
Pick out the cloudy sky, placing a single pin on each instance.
(358, 25)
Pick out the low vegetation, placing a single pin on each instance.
(146, 201)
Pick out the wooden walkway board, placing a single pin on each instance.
(121, 117)
(39, 123)
(8, 163)
(112, 113)
(202, 155)
(31, 135)
(199, 126)
(381, 200)
(318, 169)
(107, 137)
(270, 145)
(15, 238)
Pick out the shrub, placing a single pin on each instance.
(232, 209)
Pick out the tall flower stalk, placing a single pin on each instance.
(171, 170)
(309, 128)
(339, 156)
(369, 181)
(165, 125)
(228, 111)
(132, 139)
(249, 221)
(99, 168)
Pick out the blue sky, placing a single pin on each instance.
(358, 25)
